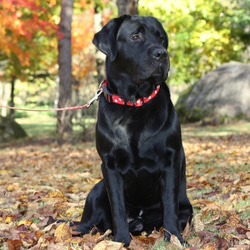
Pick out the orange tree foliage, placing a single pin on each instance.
(83, 60)
(25, 28)
(28, 37)
(83, 51)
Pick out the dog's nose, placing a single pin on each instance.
(159, 54)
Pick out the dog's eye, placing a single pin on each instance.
(136, 37)
(162, 40)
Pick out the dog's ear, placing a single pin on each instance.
(105, 39)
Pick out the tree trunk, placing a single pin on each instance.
(64, 118)
(129, 7)
(12, 97)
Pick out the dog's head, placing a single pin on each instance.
(136, 50)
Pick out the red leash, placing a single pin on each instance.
(111, 98)
(87, 105)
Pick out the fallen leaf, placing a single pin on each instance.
(174, 240)
(186, 232)
(104, 236)
(197, 223)
(63, 232)
(245, 242)
(4, 228)
(14, 244)
(24, 222)
(248, 235)
(109, 245)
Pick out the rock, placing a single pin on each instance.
(222, 93)
(10, 130)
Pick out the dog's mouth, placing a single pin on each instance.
(157, 73)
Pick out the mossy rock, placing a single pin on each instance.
(10, 130)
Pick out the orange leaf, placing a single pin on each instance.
(63, 232)
(14, 244)
(108, 245)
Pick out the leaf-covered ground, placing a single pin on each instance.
(41, 182)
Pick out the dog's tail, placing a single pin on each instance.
(136, 225)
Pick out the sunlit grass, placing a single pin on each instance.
(221, 130)
(45, 125)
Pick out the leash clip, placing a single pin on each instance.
(96, 96)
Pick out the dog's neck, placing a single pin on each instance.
(114, 98)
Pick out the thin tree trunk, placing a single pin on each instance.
(12, 97)
(129, 7)
(64, 118)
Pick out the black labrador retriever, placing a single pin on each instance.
(138, 137)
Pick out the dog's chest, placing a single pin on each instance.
(137, 147)
(131, 136)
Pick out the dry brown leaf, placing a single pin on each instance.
(239, 247)
(211, 246)
(233, 219)
(174, 240)
(213, 219)
(248, 235)
(63, 232)
(198, 224)
(104, 236)
(245, 242)
(57, 246)
(194, 241)
(245, 189)
(24, 222)
(186, 232)
(41, 244)
(28, 239)
(90, 238)
(109, 245)
(14, 244)
(137, 243)
(50, 227)
(4, 228)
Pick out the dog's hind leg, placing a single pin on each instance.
(96, 211)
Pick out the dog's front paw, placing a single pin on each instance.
(81, 228)
(124, 238)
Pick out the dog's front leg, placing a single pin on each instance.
(115, 189)
(169, 195)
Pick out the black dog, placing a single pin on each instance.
(138, 137)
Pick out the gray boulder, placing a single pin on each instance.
(222, 93)
(10, 130)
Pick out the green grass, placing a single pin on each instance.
(44, 125)
(37, 125)
(197, 131)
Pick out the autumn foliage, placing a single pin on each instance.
(29, 32)
(82, 50)
(21, 23)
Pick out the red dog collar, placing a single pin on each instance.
(111, 98)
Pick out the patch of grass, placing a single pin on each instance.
(196, 130)
(34, 127)
(242, 204)
(163, 245)
(45, 125)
